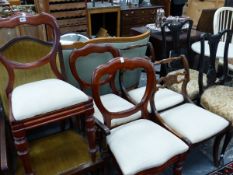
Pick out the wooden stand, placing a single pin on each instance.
(70, 15)
(103, 15)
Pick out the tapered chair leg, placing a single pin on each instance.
(177, 169)
(22, 148)
(225, 144)
(217, 142)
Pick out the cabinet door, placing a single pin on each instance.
(136, 17)
(194, 8)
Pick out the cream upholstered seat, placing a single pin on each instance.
(192, 86)
(114, 103)
(136, 146)
(193, 122)
(140, 146)
(190, 122)
(40, 97)
(219, 99)
(35, 89)
(164, 98)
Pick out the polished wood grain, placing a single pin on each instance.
(111, 68)
(183, 77)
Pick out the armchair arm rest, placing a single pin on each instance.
(3, 150)
(103, 127)
(176, 77)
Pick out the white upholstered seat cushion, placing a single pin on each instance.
(219, 100)
(164, 98)
(193, 122)
(40, 97)
(142, 144)
(114, 103)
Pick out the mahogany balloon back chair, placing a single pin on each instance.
(31, 103)
(177, 113)
(138, 145)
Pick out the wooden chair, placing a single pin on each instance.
(5, 169)
(215, 95)
(176, 31)
(33, 103)
(128, 47)
(178, 114)
(138, 145)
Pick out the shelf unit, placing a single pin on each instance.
(71, 15)
(103, 15)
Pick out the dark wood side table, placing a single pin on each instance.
(137, 16)
(156, 38)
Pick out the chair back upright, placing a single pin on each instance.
(209, 65)
(223, 20)
(109, 70)
(171, 36)
(83, 62)
(26, 54)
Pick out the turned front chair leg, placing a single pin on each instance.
(22, 148)
(91, 135)
(178, 166)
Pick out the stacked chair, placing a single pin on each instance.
(127, 128)
(189, 122)
(33, 103)
(144, 129)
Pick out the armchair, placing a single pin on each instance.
(139, 146)
(175, 47)
(178, 113)
(34, 102)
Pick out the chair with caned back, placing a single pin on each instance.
(32, 98)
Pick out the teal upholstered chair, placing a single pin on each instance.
(126, 46)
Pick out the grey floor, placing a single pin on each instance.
(199, 160)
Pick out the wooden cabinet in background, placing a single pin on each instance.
(103, 15)
(71, 15)
(135, 17)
